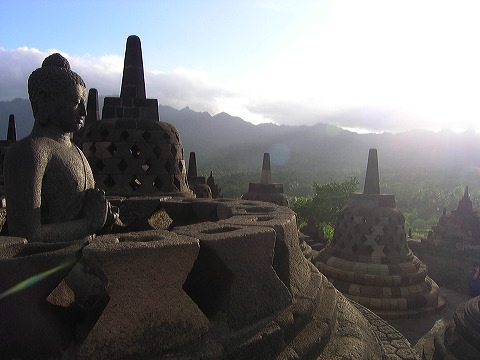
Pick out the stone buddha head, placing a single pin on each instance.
(57, 95)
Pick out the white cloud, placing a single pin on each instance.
(179, 88)
(374, 64)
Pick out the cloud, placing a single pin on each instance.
(15, 67)
(179, 88)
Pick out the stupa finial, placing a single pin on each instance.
(133, 81)
(92, 107)
(372, 181)
(192, 165)
(266, 172)
(12, 129)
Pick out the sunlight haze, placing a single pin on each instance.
(365, 65)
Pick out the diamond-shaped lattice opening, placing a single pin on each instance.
(370, 229)
(385, 250)
(166, 136)
(176, 182)
(109, 182)
(157, 150)
(209, 282)
(124, 135)
(180, 165)
(112, 149)
(158, 183)
(378, 239)
(135, 150)
(168, 166)
(122, 165)
(100, 165)
(135, 183)
(355, 248)
(103, 133)
(369, 249)
(146, 135)
(364, 219)
(173, 150)
(147, 166)
(92, 148)
(363, 238)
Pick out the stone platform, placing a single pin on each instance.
(235, 286)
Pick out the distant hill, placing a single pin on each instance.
(225, 142)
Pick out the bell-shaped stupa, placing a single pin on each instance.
(369, 260)
(130, 151)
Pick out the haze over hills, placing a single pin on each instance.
(225, 142)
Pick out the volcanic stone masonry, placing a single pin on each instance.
(266, 190)
(369, 260)
(130, 151)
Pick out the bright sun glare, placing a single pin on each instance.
(416, 59)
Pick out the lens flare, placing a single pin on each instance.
(35, 279)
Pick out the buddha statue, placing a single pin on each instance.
(49, 185)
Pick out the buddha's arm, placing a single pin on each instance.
(23, 171)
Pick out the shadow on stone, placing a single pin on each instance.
(209, 282)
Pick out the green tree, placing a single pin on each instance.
(326, 203)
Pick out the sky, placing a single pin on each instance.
(368, 66)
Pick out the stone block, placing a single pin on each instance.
(148, 311)
(247, 251)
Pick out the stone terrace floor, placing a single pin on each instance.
(417, 329)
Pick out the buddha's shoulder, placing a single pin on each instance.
(31, 147)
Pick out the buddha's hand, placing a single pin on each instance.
(96, 208)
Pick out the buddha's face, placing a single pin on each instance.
(67, 111)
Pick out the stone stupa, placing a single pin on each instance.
(369, 260)
(265, 190)
(130, 151)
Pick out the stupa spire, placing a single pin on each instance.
(93, 113)
(372, 181)
(133, 81)
(266, 172)
(12, 129)
(192, 165)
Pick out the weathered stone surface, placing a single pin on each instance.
(288, 262)
(130, 152)
(48, 182)
(369, 260)
(144, 273)
(256, 291)
(460, 339)
(265, 190)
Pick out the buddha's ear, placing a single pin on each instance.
(43, 103)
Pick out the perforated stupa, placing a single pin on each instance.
(369, 260)
(130, 151)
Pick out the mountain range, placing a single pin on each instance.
(225, 142)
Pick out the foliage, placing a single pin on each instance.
(420, 195)
(325, 204)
